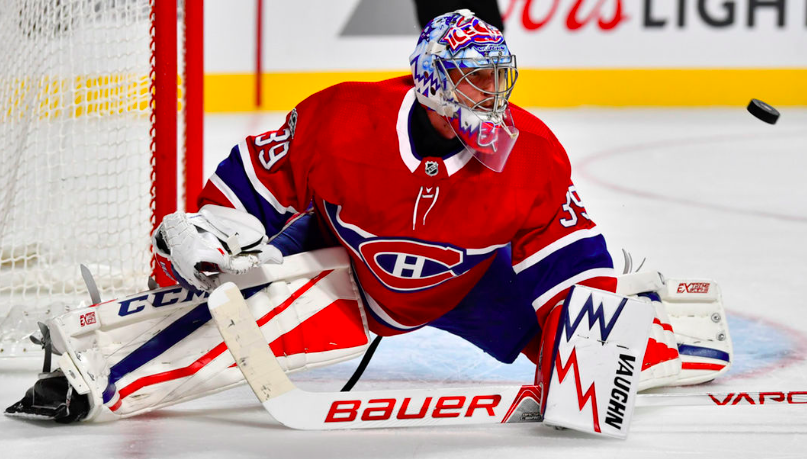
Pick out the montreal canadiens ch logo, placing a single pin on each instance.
(409, 265)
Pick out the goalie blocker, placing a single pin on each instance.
(590, 361)
(600, 348)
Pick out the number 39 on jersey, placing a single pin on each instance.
(273, 145)
(572, 209)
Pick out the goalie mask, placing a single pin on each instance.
(464, 71)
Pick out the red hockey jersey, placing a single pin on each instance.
(421, 231)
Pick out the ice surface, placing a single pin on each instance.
(701, 193)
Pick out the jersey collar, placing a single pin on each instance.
(453, 163)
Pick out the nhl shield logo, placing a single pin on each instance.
(293, 121)
(432, 168)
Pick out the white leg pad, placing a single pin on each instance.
(694, 308)
(698, 318)
(159, 348)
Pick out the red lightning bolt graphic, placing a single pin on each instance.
(590, 393)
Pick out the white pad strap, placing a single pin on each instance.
(642, 282)
(73, 375)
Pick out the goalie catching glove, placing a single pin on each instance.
(216, 239)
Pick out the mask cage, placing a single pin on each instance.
(504, 75)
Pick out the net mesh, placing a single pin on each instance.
(75, 142)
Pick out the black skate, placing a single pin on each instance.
(52, 397)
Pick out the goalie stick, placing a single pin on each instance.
(494, 404)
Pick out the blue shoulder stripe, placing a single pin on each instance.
(563, 264)
(231, 172)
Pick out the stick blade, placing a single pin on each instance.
(247, 344)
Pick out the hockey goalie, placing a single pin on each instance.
(425, 200)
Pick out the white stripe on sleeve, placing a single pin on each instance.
(227, 192)
(591, 273)
(565, 241)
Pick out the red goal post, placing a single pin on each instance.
(164, 116)
(91, 99)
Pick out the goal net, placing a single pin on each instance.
(76, 139)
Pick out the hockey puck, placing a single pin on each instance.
(763, 111)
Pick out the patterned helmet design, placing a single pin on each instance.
(464, 71)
